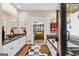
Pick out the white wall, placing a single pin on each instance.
(0, 29)
(8, 19)
(74, 24)
(22, 16)
(48, 15)
(9, 13)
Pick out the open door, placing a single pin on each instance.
(72, 29)
(69, 34)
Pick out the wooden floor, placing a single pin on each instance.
(45, 49)
(24, 50)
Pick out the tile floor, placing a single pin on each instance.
(39, 42)
(35, 51)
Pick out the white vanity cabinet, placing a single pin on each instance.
(51, 48)
(13, 47)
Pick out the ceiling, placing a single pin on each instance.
(35, 6)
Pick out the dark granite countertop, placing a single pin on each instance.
(15, 37)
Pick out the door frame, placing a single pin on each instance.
(63, 29)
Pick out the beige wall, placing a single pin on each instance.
(27, 15)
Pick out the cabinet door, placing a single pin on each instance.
(51, 48)
(21, 42)
(8, 48)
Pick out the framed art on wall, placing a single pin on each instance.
(53, 25)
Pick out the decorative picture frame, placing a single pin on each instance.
(53, 25)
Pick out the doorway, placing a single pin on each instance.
(38, 31)
(69, 29)
(72, 29)
(63, 29)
